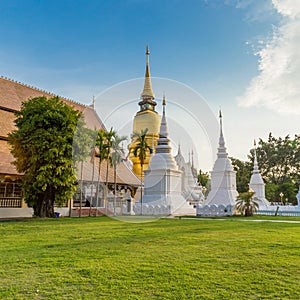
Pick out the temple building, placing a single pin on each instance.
(257, 184)
(146, 117)
(163, 181)
(12, 94)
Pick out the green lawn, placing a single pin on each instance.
(101, 258)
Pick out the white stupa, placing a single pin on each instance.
(257, 184)
(162, 183)
(190, 188)
(223, 177)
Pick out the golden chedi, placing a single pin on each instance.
(146, 117)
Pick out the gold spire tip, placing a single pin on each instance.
(147, 50)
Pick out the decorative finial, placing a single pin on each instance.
(147, 50)
(254, 143)
(220, 113)
(164, 99)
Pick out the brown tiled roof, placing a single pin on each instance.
(12, 94)
(124, 172)
(6, 160)
(6, 122)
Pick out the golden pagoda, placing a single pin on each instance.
(146, 117)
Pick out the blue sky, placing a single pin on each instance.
(223, 49)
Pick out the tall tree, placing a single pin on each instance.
(279, 158)
(83, 142)
(116, 158)
(243, 174)
(140, 150)
(279, 162)
(102, 154)
(42, 147)
(109, 136)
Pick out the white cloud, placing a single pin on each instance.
(277, 86)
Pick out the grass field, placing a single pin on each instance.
(101, 258)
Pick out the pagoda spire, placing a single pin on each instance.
(255, 165)
(222, 149)
(163, 143)
(147, 91)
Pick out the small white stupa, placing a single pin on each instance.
(257, 184)
(191, 190)
(223, 177)
(162, 183)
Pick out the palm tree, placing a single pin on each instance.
(245, 203)
(109, 140)
(82, 142)
(116, 158)
(140, 150)
(102, 154)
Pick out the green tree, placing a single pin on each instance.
(279, 163)
(271, 190)
(203, 178)
(243, 174)
(245, 204)
(42, 147)
(116, 158)
(140, 150)
(279, 158)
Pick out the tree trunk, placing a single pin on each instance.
(44, 207)
(92, 187)
(141, 189)
(115, 188)
(98, 184)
